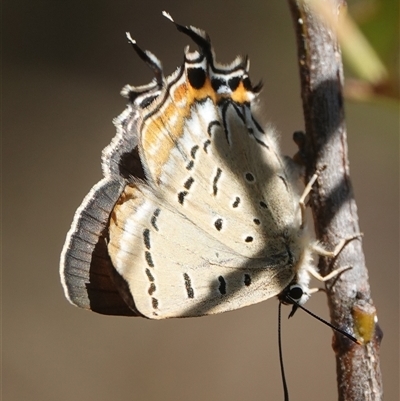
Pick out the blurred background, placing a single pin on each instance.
(64, 64)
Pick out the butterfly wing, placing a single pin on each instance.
(225, 175)
(173, 268)
(210, 231)
(85, 265)
(202, 216)
(87, 274)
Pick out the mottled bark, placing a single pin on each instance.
(333, 205)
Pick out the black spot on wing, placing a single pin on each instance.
(218, 224)
(152, 289)
(188, 286)
(233, 83)
(181, 196)
(154, 219)
(249, 177)
(146, 238)
(216, 83)
(149, 259)
(222, 285)
(215, 181)
(154, 303)
(236, 203)
(193, 151)
(196, 77)
(247, 83)
(149, 275)
(188, 183)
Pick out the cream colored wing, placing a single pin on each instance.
(225, 175)
(173, 268)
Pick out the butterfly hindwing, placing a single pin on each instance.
(175, 269)
(85, 266)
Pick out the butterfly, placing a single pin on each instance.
(198, 212)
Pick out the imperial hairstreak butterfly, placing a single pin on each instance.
(198, 213)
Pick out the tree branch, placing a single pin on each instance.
(333, 205)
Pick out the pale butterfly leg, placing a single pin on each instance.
(316, 247)
(305, 193)
(319, 250)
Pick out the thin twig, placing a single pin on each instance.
(332, 201)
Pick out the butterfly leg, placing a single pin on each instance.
(306, 192)
(332, 274)
(316, 289)
(318, 249)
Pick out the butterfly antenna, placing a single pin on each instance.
(285, 390)
(197, 35)
(149, 58)
(297, 305)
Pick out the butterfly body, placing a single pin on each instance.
(198, 212)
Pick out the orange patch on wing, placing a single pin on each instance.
(129, 193)
(241, 95)
(165, 123)
(180, 92)
(205, 91)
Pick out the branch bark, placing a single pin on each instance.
(332, 201)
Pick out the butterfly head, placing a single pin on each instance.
(294, 294)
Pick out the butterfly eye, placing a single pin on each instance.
(296, 296)
(296, 292)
